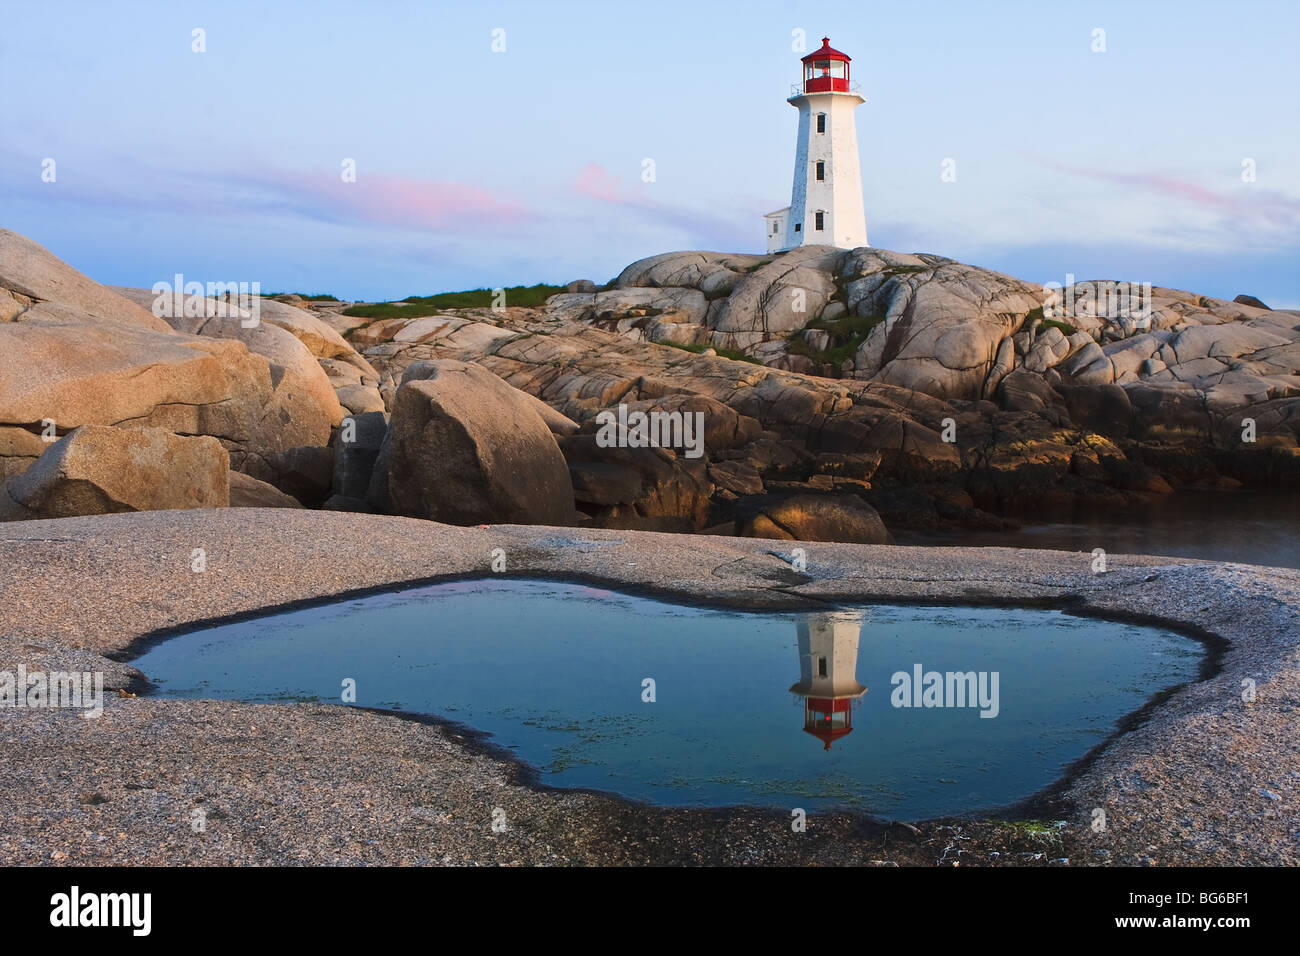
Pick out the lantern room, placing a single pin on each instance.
(826, 70)
(828, 718)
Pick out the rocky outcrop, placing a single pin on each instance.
(558, 424)
(75, 372)
(77, 353)
(939, 394)
(286, 344)
(817, 518)
(246, 492)
(1035, 420)
(939, 324)
(950, 330)
(31, 275)
(620, 487)
(465, 448)
(659, 315)
(102, 470)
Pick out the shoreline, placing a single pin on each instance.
(95, 588)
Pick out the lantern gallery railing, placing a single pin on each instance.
(796, 89)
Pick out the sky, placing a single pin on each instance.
(498, 144)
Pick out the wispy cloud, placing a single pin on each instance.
(1248, 202)
(597, 182)
(427, 205)
(430, 205)
(708, 225)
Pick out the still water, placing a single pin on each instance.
(680, 705)
(1247, 526)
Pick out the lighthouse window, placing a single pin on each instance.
(819, 219)
(821, 122)
(798, 226)
(821, 172)
(821, 667)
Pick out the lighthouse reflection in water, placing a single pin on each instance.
(687, 706)
(828, 674)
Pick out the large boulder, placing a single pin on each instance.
(939, 324)
(1023, 391)
(638, 487)
(287, 343)
(190, 313)
(778, 298)
(1249, 300)
(713, 273)
(1105, 409)
(102, 470)
(466, 448)
(246, 492)
(557, 422)
(811, 517)
(75, 372)
(78, 353)
(320, 339)
(31, 274)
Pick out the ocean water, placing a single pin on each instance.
(1249, 527)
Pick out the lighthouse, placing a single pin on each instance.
(828, 679)
(826, 201)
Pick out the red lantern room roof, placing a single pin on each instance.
(826, 53)
(828, 735)
(826, 70)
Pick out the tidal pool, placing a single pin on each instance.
(905, 712)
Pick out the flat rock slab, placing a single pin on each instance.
(1207, 778)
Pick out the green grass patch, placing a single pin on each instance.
(1037, 829)
(412, 307)
(523, 296)
(734, 354)
(388, 310)
(847, 334)
(1066, 328)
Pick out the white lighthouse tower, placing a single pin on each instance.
(826, 202)
(828, 674)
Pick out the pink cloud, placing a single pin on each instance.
(710, 226)
(596, 182)
(421, 204)
(1267, 205)
(398, 201)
